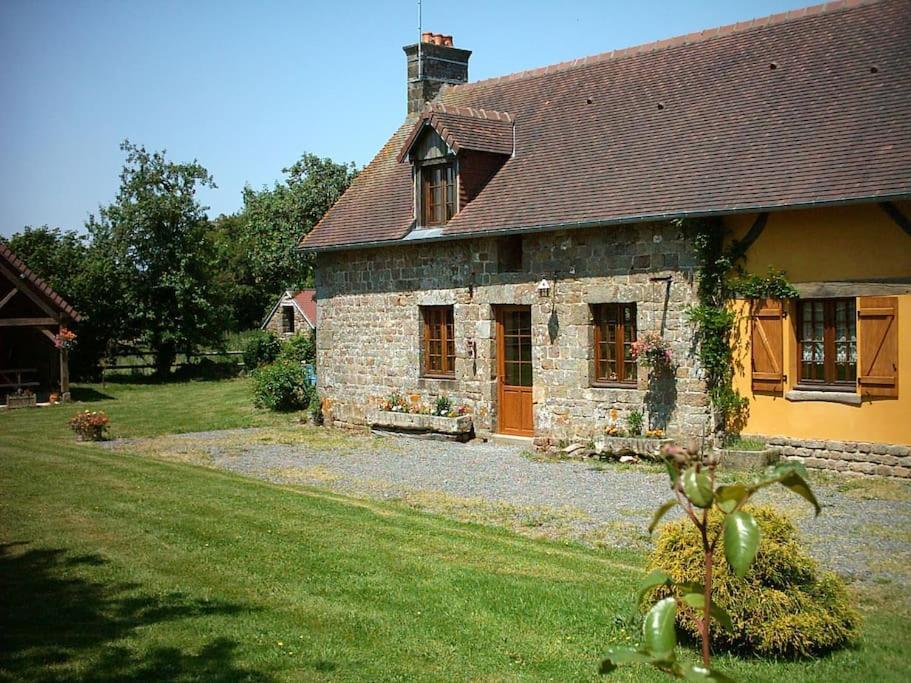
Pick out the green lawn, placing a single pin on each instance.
(117, 567)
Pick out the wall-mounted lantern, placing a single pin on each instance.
(543, 289)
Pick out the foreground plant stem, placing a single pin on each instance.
(706, 616)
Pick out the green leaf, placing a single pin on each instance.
(791, 475)
(659, 634)
(698, 487)
(661, 512)
(741, 541)
(655, 578)
(727, 498)
(698, 672)
(796, 483)
(671, 472)
(697, 601)
(618, 655)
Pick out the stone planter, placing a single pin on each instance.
(25, 401)
(458, 428)
(643, 447)
(746, 460)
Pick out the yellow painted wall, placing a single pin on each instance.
(829, 244)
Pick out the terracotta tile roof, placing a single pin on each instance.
(39, 286)
(306, 304)
(808, 107)
(464, 128)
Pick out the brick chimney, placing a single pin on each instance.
(432, 64)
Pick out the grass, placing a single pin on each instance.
(745, 444)
(128, 568)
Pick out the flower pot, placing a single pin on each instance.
(21, 401)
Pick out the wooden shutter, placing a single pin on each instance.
(878, 330)
(766, 344)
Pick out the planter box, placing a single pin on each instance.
(641, 446)
(746, 460)
(13, 401)
(458, 428)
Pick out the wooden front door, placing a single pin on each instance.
(514, 370)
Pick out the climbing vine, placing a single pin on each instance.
(719, 279)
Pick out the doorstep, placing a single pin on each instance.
(512, 440)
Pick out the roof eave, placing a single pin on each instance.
(641, 218)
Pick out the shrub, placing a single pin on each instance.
(634, 423)
(783, 607)
(282, 386)
(301, 348)
(90, 425)
(261, 349)
(316, 409)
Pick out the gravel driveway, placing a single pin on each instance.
(864, 532)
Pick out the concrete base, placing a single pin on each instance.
(411, 424)
(746, 460)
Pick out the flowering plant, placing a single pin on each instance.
(395, 403)
(65, 339)
(90, 425)
(53, 399)
(656, 433)
(652, 350)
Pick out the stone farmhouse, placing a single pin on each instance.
(515, 236)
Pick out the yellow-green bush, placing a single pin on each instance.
(783, 607)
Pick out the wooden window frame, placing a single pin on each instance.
(443, 325)
(830, 373)
(599, 316)
(449, 191)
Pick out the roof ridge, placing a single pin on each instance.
(675, 41)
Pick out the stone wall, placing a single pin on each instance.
(369, 311)
(853, 457)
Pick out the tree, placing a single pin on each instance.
(274, 220)
(234, 277)
(155, 232)
(84, 275)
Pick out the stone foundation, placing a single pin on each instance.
(851, 457)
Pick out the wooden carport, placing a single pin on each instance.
(31, 316)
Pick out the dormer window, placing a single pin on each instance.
(438, 192)
(454, 152)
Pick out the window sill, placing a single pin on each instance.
(426, 376)
(849, 398)
(614, 385)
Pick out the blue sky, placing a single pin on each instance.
(246, 87)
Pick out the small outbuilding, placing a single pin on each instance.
(34, 335)
(292, 314)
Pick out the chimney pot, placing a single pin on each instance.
(427, 37)
(437, 38)
(447, 41)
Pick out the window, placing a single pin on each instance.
(827, 342)
(615, 332)
(438, 193)
(509, 254)
(288, 319)
(439, 341)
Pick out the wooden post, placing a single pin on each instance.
(64, 375)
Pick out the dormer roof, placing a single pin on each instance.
(463, 128)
